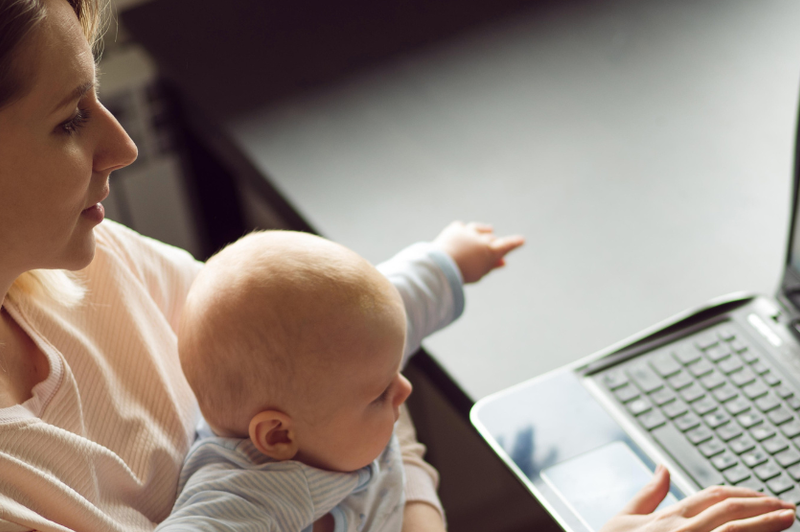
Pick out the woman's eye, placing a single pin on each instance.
(75, 122)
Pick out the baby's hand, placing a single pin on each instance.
(475, 248)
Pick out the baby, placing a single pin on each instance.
(293, 346)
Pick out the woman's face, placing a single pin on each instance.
(58, 145)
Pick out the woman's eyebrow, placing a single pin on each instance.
(76, 94)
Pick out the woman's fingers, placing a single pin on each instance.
(769, 522)
(694, 504)
(738, 508)
(650, 496)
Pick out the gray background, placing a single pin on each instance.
(643, 148)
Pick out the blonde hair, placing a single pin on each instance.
(61, 286)
(18, 18)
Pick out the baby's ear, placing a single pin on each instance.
(272, 432)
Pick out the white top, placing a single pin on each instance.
(100, 444)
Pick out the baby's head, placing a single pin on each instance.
(296, 342)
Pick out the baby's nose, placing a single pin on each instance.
(404, 389)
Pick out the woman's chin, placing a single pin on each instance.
(80, 253)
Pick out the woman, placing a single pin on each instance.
(95, 415)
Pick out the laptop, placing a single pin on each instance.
(713, 394)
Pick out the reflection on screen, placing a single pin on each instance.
(598, 484)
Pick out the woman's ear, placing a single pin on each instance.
(272, 432)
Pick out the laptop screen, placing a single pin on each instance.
(791, 281)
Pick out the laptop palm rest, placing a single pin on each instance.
(599, 483)
(576, 458)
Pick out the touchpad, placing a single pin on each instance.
(599, 483)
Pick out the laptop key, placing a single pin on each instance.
(675, 409)
(726, 393)
(752, 483)
(652, 419)
(749, 419)
(767, 470)
(705, 340)
(692, 393)
(780, 484)
(713, 380)
(749, 357)
(645, 378)
(704, 406)
(729, 431)
(686, 354)
(793, 403)
(712, 447)
(726, 334)
(638, 406)
(700, 368)
(762, 432)
(687, 455)
(742, 444)
(662, 396)
(755, 458)
(794, 471)
(738, 345)
(780, 416)
(788, 457)
(775, 444)
(680, 380)
(760, 368)
(718, 352)
(724, 461)
(784, 392)
(665, 365)
(687, 421)
(736, 474)
(772, 379)
(791, 429)
(792, 495)
(737, 406)
(626, 393)
(767, 403)
(743, 377)
(716, 419)
(699, 435)
(729, 365)
(755, 390)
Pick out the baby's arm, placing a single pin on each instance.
(430, 275)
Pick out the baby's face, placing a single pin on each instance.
(366, 399)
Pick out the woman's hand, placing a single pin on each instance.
(720, 508)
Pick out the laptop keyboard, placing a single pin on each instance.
(719, 408)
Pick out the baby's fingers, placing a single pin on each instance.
(769, 522)
(480, 227)
(735, 509)
(503, 245)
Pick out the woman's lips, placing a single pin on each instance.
(95, 213)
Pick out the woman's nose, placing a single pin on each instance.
(114, 149)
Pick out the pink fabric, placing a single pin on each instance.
(100, 444)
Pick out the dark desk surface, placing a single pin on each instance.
(644, 148)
